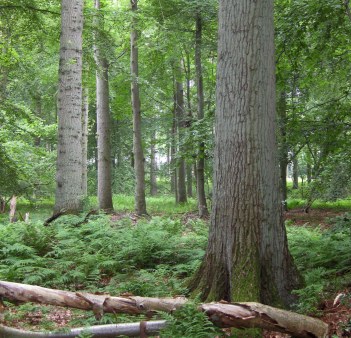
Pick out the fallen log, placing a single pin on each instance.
(100, 331)
(238, 315)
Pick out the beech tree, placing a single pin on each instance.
(180, 116)
(140, 202)
(200, 175)
(102, 118)
(247, 256)
(69, 194)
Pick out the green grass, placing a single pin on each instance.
(339, 205)
(164, 204)
(159, 205)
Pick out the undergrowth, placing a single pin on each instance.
(189, 322)
(324, 259)
(154, 257)
(148, 258)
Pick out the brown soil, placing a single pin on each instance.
(314, 217)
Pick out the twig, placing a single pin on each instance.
(29, 7)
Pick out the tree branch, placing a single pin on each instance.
(26, 7)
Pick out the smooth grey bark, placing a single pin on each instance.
(189, 179)
(189, 175)
(200, 177)
(103, 331)
(103, 118)
(69, 194)
(174, 178)
(283, 149)
(247, 256)
(153, 165)
(295, 172)
(85, 132)
(140, 202)
(38, 111)
(180, 115)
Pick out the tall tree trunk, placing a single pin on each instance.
(201, 196)
(182, 197)
(85, 114)
(247, 255)
(295, 172)
(153, 165)
(103, 119)
(189, 175)
(309, 168)
(189, 179)
(283, 149)
(140, 202)
(69, 194)
(38, 112)
(174, 178)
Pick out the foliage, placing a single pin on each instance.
(189, 322)
(154, 254)
(323, 257)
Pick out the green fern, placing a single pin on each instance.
(189, 322)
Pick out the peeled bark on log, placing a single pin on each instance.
(101, 331)
(239, 315)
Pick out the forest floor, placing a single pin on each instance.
(337, 316)
(315, 217)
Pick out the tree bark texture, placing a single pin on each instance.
(247, 257)
(103, 118)
(153, 165)
(201, 195)
(189, 175)
(189, 179)
(85, 132)
(140, 202)
(181, 121)
(69, 194)
(295, 172)
(12, 213)
(283, 149)
(240, 315)
(174, 178)
(150, 328)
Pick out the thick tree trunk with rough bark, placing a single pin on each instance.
(240, 315)
(69, 194)
(103, 118)
(140, 202)
(181, 121)
(201, 195)
(247, 257)
(85, 132)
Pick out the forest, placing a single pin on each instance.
(175, 168)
